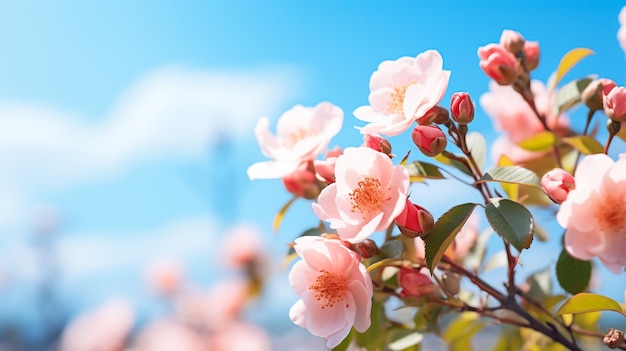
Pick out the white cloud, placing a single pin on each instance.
(170, 112)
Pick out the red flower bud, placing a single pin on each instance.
(430, 140)
(414, 220)
(436, 114)
(499, 64)
(302, 183)
(462, 108)
(378, 143)
(557, 183)
(414, 283)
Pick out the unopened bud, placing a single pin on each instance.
(414, 283)
(614, 101)
(499, 64)
(557, 183)
(462, 108)
(302, 182)
(366, 248)
(415, 220)
(512, 41)
(614, 338)
(451, 282)
(378, 143)
(531, 51)
(592, 95)
(437, 114)
(430, 140)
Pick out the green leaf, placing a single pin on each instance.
(585, 144)
(374, 338)
(511, 221)
(392, 249)
(587, 302)
(569, 60)
(447, 160)
(572, 273)
(403, 340)
(512, 174)
(540, 284)
(460, 331)
(541, 141)
(569, 95)
(444, 232)
(477, 146)
(281, 213)
(424, 170)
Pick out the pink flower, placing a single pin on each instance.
(557, 184)
(302, 134)
(325, 170)
(369, 193)
(240, 337)
(167, 335)
(594, 213)
(430, 140)
(165, 277)
(104, 328)
(335, 289)
(512, 116)
(499, 64)
(615, 103)
(621, 33)
(462, 108)
(402, 91)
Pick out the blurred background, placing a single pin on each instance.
(126, 129)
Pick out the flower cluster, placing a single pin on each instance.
(347, 277)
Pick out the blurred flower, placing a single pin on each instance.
(557, 183)
(462, 108)
(531, 51)
(512, 41)
(414, 283)
(615, 103)
(402, 91)
(302, 133)
(430, 140)
(240, 337)
(499, 64)
(593, 94)
(325, 169)
(168, 335)
(621, 33)
(104, 328)
(335, 289)
(512, 116)
(594, 213)
(165, 277)
(241, 247)
(369, 193)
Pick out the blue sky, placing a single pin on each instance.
(133, 121)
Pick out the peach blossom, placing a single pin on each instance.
(512, 116)
(335, 289)
(302, 133)
(104, 328)
(402, 91)
(594, 214)
(368, 194)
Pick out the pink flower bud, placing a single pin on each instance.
(557, 183)
(531, 51)
(593, 94)
(325, 170)
(614, 339)
(414, 283)
(366, 249)
(429, 139)
(377, 142)
(512, 41)
(499, 64)
(615, 103)
(415, 220)
(462, 108)
(436, 114)
(302, 183)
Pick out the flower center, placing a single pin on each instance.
(397, 99)
(367, 197)
(611, 215)
(293, 138)
(329, 286)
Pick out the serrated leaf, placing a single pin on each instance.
(569, 60)
(541, 141)
(477, 146)
(587, 302)
(511, 221)
(424, 170)
(569, 95)
(572, 273)
(278, 219)
(403, 341)
(585, 144)
(512, 174)
(452, 162)
(444, 232)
